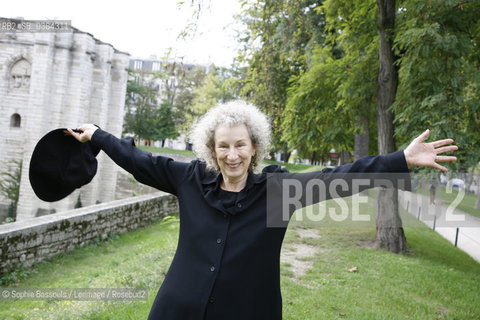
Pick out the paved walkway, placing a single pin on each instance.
(446, 220)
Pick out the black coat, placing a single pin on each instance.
(227, 263)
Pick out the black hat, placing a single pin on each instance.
(61, 164)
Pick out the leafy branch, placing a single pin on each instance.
(10, 186)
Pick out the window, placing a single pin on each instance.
(138, 64)
(156, 66)
(15, 120)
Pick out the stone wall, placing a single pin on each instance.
(30, 241)
(55, 80)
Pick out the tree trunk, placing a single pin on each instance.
(362, 138)
(361, 142)
(477, 186)
(390, 233)
(469, 179)
(343, 157)
(286, 152)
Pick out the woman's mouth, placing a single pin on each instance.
(233, 165)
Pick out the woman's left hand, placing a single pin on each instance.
(84, 133)
(420, 153)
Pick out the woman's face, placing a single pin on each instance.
(233, 151)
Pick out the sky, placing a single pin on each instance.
(145, 27)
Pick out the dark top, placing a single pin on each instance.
(227, 262)
(228, 198)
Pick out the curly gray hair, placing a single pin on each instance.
(232, 113)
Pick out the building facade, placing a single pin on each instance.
(55, 80)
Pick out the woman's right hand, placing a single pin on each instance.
(84, 133)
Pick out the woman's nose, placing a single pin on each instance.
(232, 154)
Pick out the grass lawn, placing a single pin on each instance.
(138, 259)
(167, 151)
(294, 167)
(433, 280)
(467, 203)
(289, 166)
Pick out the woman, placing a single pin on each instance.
(227, 263)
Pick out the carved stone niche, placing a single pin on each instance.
(20, 74)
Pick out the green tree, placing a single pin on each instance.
(335, 100)
(332, 103)
(166, 80)
(390, 234)
(187, 87)
(278, 34)
(10, 186)
(145, 117)
(214, 90)
(411, 63)
(140, 101)
(78, 204)
(312, 108)
(353, 36)
(439, 80)
(165, 128)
